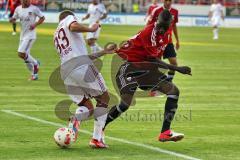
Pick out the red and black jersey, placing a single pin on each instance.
(13, 4)
(144, 46)
(151, 8)
(155, 13)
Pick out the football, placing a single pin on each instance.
(64, 137)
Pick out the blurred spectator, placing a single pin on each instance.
(135, 7)
(2, 4)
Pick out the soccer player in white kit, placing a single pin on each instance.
(27, 14)
(81, 78)
(216, 15)
(96, 12)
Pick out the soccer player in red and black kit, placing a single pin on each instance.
(170, 52)
(13, 4)
(143, 55)
(150, 9)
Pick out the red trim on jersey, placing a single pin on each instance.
(13, 4)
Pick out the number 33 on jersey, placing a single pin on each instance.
(69, 44)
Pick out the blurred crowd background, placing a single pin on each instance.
(125, 6)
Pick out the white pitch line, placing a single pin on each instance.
(108, 137)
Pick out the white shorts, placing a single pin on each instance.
(93, 35)
(84, 81)
(25, 46)
(216, 21)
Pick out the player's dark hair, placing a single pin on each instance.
(64, 14)
(166, 15)
(164, 21)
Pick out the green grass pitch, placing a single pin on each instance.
(208, 112)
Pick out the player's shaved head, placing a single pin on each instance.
(95, 1)
(164, 21)
(167, 4)
(25, 3)
(64, 14)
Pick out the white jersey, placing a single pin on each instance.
(27, 18)
(69, 44)
(96, 12)
(216, 10)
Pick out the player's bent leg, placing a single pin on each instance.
(83, 112)
(116, 111)
(91, 43)
(100, 115)
(14, 26)
(24, 53)
(215, 32)
(171, 73)
(171, 106)
(35, 62)
(171, 55)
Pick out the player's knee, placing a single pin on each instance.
(90, 42)
(103, 100)
(21, 55)
(173, 61)
(122, 107)
(174, 93)
(106, 98)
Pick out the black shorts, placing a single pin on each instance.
(169, 51)
(131, 76)
(11, 14)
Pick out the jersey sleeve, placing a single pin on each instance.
(38, 12)
(70, 20)
(16, 13)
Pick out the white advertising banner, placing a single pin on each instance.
(52, 17)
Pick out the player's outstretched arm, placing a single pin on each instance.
(40, 21)
(109, 48)
(180, 69)
(76, 27)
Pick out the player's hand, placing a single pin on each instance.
(177, 45)
(12, 20)
(32, 27)
(110, 48)
(184, 70)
